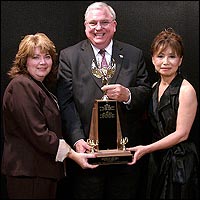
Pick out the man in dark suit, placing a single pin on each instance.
(77, 90)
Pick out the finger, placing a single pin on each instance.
(93, 166)
(108, 87)
(90, 155)
(130, 163)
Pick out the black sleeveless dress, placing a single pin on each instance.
(173, 173)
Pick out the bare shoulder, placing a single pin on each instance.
(187, 87)
(187, 91)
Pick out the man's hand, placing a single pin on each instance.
(117, 92)
(82, 146)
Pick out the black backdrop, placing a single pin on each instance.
(138, 23)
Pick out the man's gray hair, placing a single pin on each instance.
(98, 5)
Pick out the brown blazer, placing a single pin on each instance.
(32, 128)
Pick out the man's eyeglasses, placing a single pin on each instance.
(103, 24)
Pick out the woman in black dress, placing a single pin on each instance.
(173, 167)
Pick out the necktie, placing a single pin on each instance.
(103, 61)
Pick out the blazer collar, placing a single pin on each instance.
(173, 89)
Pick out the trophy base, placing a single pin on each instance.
(108, 157)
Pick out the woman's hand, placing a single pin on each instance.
(82, 159)
(139, 151)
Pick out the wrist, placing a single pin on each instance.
(69, 152)
(129, 97)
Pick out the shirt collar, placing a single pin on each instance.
(108, 49)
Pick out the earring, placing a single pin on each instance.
(179, 70)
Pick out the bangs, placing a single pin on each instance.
(164, 44)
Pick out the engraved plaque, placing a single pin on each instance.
(105, 137)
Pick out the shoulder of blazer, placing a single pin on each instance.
(80, 45)
(85, 44)
(123, 45)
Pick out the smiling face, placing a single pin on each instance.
(39, 65)
(166, 62)
(100, 27)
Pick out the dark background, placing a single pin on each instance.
(138, 23)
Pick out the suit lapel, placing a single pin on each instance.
(118, 57)
(88, 56)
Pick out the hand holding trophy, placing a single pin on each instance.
(105, 136)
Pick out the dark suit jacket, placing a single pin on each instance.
(32, 126)
(78, 88)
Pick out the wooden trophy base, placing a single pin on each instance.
(113, 156)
